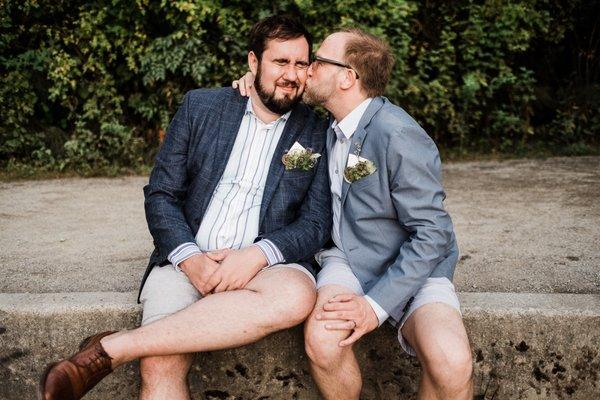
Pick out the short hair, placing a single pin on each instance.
(280, 27)
(372, 59)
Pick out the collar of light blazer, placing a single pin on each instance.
(359, 134)
(349, 123)
(370, 112)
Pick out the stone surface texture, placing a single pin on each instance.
(525, 346)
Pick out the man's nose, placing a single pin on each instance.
(290, 73)
(309, 71)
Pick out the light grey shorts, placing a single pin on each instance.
(335, 270)
(167, 291)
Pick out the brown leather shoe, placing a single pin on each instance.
(71, 379)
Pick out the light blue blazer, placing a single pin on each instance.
(394, 229)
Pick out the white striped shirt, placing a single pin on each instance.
(232, 217)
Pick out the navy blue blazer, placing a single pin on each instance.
(296, 207)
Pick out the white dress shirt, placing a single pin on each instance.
(337, 163)
(232, 217)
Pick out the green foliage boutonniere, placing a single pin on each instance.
(357, 166)
(300, 158)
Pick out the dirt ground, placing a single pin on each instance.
(522, 226)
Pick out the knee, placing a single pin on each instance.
(322, 346)
(295, 302)
(450, 370)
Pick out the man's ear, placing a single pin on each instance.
(349, 79)
(253, 62)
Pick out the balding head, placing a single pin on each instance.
(369, 55)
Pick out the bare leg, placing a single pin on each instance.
(334, 368)
(166, 291)
(275, 299)
(437, 334)
(165, 377)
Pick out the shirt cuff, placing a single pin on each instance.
(270, 251)
(182, 253)
(382, 315)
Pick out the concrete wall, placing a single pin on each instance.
(525, 346)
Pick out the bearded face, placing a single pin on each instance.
(279, 96)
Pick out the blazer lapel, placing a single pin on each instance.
(359, 136)
(290, 133)
(229, 125)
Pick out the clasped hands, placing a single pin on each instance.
(222, 270)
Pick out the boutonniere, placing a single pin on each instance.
(300, 158)
(357, 166)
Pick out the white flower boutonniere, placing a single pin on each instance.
(300, 158)
(357, 166)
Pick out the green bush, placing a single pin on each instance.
(91, 86)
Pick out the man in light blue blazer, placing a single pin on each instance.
(394, 249)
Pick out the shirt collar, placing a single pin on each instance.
(250, 110)
(350, 122)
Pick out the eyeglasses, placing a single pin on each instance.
(333, 62)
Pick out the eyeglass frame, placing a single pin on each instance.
(334, 62)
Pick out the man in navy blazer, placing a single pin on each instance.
(237, 204)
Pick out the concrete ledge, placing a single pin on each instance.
(525, 346)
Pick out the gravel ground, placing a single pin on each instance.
(522, 226)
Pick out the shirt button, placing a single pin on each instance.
(337, 172)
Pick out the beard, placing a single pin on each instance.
(315, 97)
(276, 105)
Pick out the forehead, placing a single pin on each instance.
(333, 46)
(292, 49)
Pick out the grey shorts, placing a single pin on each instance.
(167, 291)
(335, 270)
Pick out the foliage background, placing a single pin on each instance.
(90, 86)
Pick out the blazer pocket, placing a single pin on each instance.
(295, 184)
(365, 182)
(298, 174)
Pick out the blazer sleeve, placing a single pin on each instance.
(165, 193)
(414, 170)
(301, 239)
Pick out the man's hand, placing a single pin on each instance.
(244, 84)
(356, 313)
(237, 269)
(218, 255)
(199, 268)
